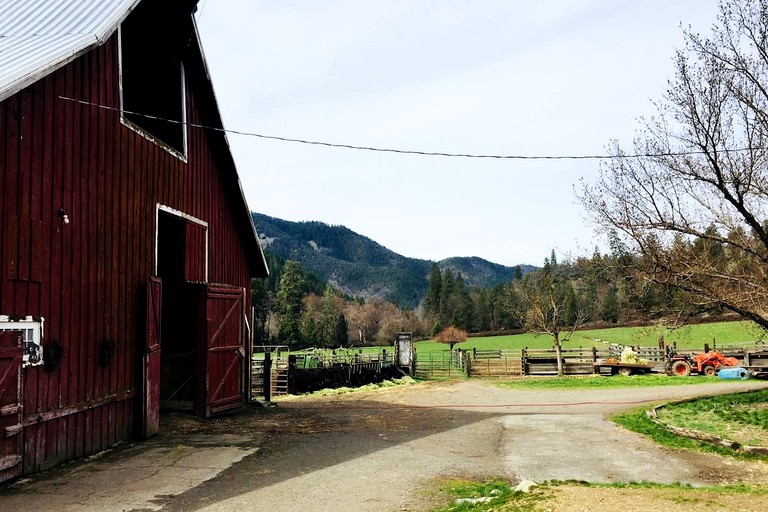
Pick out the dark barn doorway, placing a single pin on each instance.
(178, 360)
(196, 357)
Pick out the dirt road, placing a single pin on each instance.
(380, 451)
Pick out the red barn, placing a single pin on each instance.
(127, 247)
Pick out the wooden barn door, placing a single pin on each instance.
(151, 398)
(11, 356)
(223, 353)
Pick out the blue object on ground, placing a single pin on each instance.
(733, 373)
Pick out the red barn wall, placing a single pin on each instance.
(88, 278)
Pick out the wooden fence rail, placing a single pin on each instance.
(577, 361)
(356, 369)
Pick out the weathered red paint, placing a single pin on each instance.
(222, 361)
(151, 403)
(196, 253)
(11, 354)
(88, 278)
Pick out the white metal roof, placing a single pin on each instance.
(40, 36)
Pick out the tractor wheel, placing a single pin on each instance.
(626, 372)
(681, 368)
(708, 370)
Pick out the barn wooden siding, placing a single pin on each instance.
(88, 278)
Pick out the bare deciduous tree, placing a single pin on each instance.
(365, 320)
(545, 307)
(692, 197)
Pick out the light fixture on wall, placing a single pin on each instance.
(63, 216)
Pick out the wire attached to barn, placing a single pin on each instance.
(401, 151)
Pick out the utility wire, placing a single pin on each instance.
(391, 150)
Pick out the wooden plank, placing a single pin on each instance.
(152, 361)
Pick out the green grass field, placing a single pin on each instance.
(690, 337)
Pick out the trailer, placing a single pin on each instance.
(618, 368)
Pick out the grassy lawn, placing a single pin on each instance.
(742, 418)
(600, 382)
(688, 337)
(691, 337)
(738, 417)
(500, 496)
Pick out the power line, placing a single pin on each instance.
(392, 150)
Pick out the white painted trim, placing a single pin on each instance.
(37, 324)
(178, 213)
(184, 126)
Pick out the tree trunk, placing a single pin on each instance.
(558, 354)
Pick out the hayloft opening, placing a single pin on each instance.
(152, 43)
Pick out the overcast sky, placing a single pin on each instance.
(504, 77)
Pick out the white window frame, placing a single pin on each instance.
(172, 211)
(32, 329)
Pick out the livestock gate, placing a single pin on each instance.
(269, 371)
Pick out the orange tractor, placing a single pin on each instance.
(707, 363)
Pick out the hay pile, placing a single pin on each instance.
(629, 356)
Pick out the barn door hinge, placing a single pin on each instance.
(7, 410)
(13, 430)
(9, 461)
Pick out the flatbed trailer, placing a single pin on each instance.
(758, 372)
(625, 369)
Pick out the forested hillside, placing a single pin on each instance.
(360, 267)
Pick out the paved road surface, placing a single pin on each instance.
(377, 452)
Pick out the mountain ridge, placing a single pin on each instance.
(361, 267)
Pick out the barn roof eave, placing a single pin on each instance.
(37, 37)
(258, 261)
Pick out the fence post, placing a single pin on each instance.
(523, 357)
(291, 374)
(467, 362)
(594, 359)
(267, 376)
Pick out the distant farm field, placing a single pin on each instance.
(689, 337)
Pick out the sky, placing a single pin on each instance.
(499, 77)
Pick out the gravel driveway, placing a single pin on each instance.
(380, 451)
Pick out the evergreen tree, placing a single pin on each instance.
(260, 301)
(310, 333)
(432, 301)
(610, 308)
(463, 311)
(571, 302)
(446, 298)
(329, 315)
(341, 331)
(552, 259)
(482, 300)
(290, 303)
